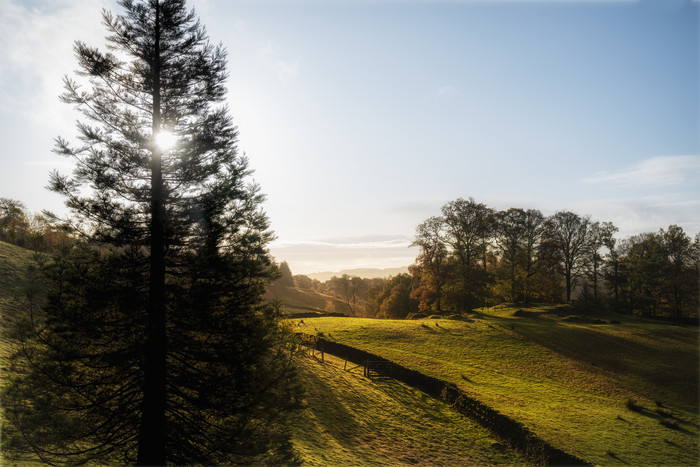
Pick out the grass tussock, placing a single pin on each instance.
(669, 422)
(634, 405)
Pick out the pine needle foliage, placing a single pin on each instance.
(154, 345)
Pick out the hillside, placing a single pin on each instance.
(352, 420)
(560, 374)
(566, 373)
(17, 282)
(296, 300)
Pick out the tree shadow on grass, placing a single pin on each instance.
(410, 399)
(672, 422)
(331, 416)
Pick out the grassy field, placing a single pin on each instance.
(552, 368)
(564, 377)
(352, 420)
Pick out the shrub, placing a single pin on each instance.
(670, 423)
(634, 405)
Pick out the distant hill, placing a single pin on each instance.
(366, 273)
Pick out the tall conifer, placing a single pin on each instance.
(154, 346)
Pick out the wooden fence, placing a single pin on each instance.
(511, 432)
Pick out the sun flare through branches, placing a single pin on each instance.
(166, 140)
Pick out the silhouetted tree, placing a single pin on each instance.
(286, 279)
(533, 228)
(567, 237)
(599, 235)
(679, 248)
(509, 237)
(431, 265)
(154, 346)
(611, 266)
(644, 269)
(468, 227)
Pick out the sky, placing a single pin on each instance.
(361, 118)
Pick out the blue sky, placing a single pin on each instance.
(361, 118)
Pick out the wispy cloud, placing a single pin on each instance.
(634, 215)
(654, 172)
(285, 70)
(268, 55)
(36, 51)
(445, 91)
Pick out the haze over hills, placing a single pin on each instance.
(365, 273)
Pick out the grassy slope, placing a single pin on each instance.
(568, 382)
(15, 263)
(296, 300)
(351, 420)
(17, 281)
(15, 276)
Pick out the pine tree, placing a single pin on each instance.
(154, 346)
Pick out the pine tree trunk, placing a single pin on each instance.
(151, 441)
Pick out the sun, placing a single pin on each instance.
(166, 140)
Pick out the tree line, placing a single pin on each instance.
(472, 256)
(38, 232)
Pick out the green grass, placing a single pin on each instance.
(567, 381)
(352, 420)
(16, 283)
(19, 283)
(15, 276)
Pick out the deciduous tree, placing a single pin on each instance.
(567, 236)
(431, 264)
